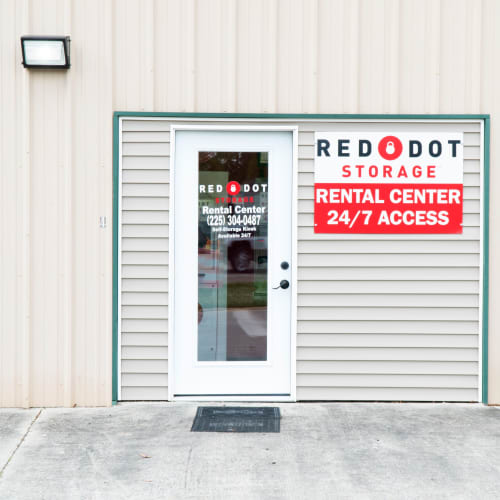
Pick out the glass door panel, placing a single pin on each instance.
(232, 256)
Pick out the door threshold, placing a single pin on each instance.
(242, 397)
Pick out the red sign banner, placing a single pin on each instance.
(388, 208)
(379, 183)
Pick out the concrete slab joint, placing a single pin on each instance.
(9, 434)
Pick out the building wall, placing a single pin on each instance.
(300, 56)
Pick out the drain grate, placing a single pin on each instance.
(236, 419)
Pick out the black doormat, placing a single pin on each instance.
(236, 419)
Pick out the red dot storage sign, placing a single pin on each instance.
(388, 182)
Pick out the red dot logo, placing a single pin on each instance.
(233, 188)
(390, 147)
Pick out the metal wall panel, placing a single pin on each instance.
(55, 162)
(322, 56)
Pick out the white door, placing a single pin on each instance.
(232, 249)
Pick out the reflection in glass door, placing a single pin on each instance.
(232, 256)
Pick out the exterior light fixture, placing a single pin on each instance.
(49, 52)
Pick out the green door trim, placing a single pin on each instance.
(294, 116)
(116, 194)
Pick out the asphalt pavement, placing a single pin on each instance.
(324, 451)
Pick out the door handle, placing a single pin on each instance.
(283, 284)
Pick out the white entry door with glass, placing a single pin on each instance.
(232, 263)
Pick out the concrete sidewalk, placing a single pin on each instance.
(324, 451)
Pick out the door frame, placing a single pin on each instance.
(171, 260)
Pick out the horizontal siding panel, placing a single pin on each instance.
(145, 217)
(388, 313)
(144, 271)
(144, 325)
(145, 339)
(385, 394)
(399, 287)
(372, 380)
(472, 152)
(472, 139)
(387, 300)
(145, 176)
(146, 136)
(144, 366)
(144, 162)
(385, 340)
(306, 179)
(138, 244)
(144, 312)
(372, 326)
(145, 231)
(472, 193)
(144, 285)
(145, 258)
(130, 125)
(390, 367)
(144, 352)
(472, 166)
(384, 247)
(472, 179)
(305, 152)
(469, 233)
(390, 260)
(306, 166)
(144, 393)
(146, 149)
(385, 353)
(142, 190)
(144, 380)
(306, 138)
(144, 298)
(392, 274)
(160, 203)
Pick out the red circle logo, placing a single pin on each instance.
(233, 188)
(390, 147)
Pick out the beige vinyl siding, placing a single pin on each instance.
(380, 317)
(144, 260)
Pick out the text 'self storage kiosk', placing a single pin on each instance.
(259, 201)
